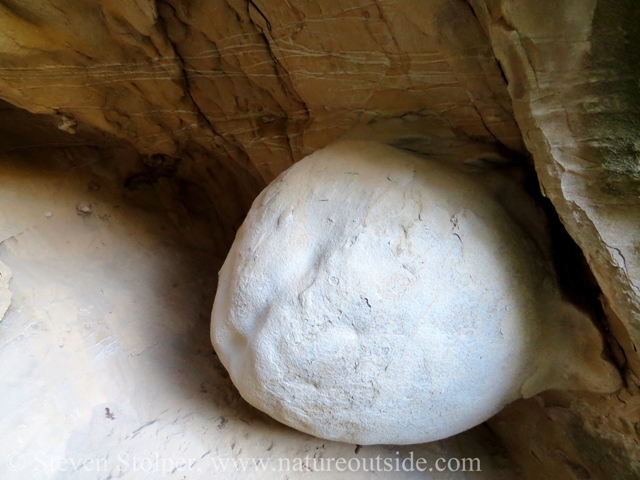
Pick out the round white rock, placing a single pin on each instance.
(373, 296)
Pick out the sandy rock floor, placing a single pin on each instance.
(106, 366)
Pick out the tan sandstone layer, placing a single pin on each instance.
(206, 102)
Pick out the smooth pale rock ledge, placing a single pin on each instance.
(376, 296)
(5, 293)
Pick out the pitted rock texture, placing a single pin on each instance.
(374, 296)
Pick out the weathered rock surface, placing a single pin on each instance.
(573, 74)
(240, 90)
(577, 102)
(5, 293)
(206, 102)
(374, 296)
(107, 367)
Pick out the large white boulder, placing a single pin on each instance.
(376, 296)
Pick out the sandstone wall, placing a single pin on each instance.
(210, 100)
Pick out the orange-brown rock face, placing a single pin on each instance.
(207, 101)
(257, 83)
(253, 85)
(573, 77)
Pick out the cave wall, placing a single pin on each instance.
(240, 90)
(573, 76)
